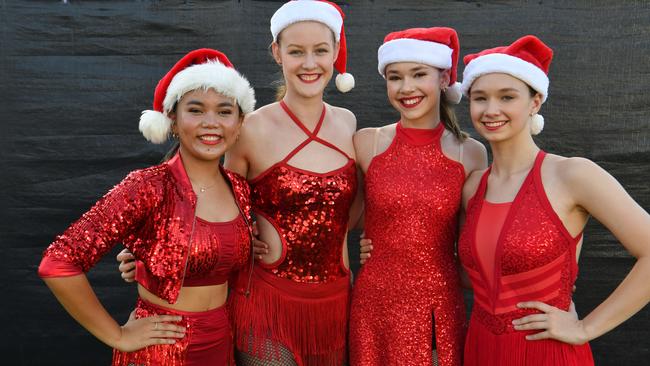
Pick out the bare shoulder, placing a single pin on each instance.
(345, 116)
(471, 184)
(573, 170)
(474, 156)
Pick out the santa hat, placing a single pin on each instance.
(437, 47)
(527, 59)
(321, 11)
(203, 68)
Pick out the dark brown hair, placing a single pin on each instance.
(449, 119)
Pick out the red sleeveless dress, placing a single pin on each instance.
(413, 194)
(301, 302)
(533, 258)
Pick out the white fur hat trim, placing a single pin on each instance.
(306, 10)
(511, 65)
(413, 50)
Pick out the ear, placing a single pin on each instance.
(172, 116)
(536, 104)
(275, 51)
(337, 48)
(444, 78)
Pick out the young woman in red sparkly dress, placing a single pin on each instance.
(298, 156)
(186, 221)
(524, 220)
(414, 173)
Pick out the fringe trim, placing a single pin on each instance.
(308, 319)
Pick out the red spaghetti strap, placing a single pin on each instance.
(297, 121)
(313, 136)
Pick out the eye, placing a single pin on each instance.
(507, 98)
(194, 110)
(295, 52)
(394, 78)
(478, 98)
(322, 51)
(419, 75)
(225, 112)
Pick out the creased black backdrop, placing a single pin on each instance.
(74, 76)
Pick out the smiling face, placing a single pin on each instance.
(414, 90)
(501, 106)
(207, 124)
(306, 51)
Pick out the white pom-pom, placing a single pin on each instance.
(344, 82)
(536, 124)
(155, 126)
(454, 94)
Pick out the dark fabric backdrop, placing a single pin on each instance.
(74, 76)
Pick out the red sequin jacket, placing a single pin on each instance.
(152, 212)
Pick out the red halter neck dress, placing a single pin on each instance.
(301, 301)
(533, 257)
(412, 193)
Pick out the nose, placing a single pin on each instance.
(310, 62)
(492, 108)
(407, 86)
(210, 120)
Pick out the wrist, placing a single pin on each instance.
(586, 332)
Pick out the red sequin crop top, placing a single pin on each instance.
(218, 248)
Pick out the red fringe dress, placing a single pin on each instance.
(532, 257)
(412, 193)
(301, 301)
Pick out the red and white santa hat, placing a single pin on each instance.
(203, 68)
(437, 47)
(321, 11)
(527, 59)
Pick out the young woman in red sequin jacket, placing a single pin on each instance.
(524, 220)
(186, 221)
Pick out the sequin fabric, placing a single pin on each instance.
(310, 211)
(534, 260)
(152, 213)
(217, 249)
(412, 193)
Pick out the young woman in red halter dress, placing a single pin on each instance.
(524, 221)
(186, 221)
(298, 157)
(414, 174)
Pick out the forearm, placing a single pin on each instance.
(628, 298)
(78, 298)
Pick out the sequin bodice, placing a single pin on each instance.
(413, 195)
(310, 211)
(217, 249)
(534, 257)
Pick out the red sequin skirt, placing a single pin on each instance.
(208, 340)
(309, 319)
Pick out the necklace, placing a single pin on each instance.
(203, 189)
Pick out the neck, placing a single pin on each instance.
(201, 173)
(300, 104)
(514, 155)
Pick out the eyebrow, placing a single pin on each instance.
(414, 69)
(220, 105)
(302, 46)
(504, 90)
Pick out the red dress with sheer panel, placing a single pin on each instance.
(513, 252)
(300, 302)
(413, 194)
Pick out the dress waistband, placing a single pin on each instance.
(301, 289)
